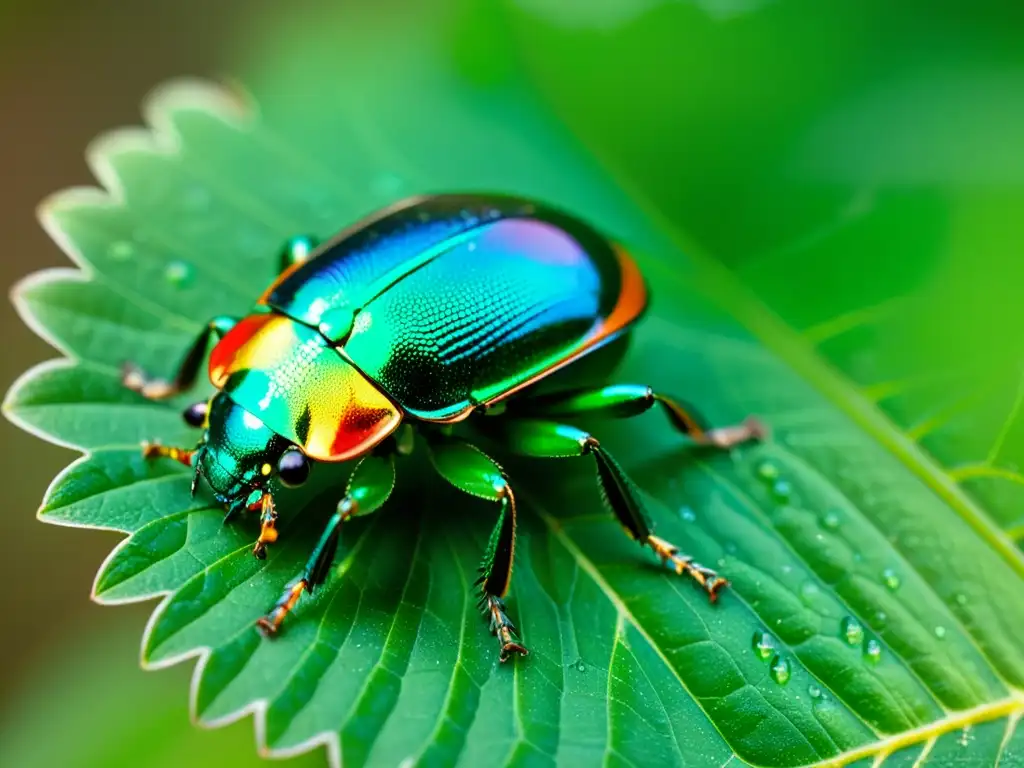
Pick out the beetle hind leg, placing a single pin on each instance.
(628, 400)
(547, 439)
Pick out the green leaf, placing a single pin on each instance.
(875, 609)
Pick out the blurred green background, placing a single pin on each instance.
(880, 146)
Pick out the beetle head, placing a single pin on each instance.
(239, 455)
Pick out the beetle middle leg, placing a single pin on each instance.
(547, 439)
(472, 471)
(188, 370)
(369, 487)
(628, 400)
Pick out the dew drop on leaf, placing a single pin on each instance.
(961, 599)
(687, 514)
(891, 579)
(809, 591)
(830, 520)
(966, 737)
(880, 619)
(780, 670)
(764, 645)
(768, 471)
(872, 651)
(782, 490)
(178, 273)
(814, 691)
(940, 632)
(120, 250)
(851, 631)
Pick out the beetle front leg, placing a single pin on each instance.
(188, 371)
(627, 400)
(296, 251)
(546, 439)
(470, 470)
(369, 487)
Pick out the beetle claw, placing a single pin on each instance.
(509, 648)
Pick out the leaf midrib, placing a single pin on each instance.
(1006, 707)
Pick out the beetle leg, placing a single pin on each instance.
(470, 470)
(296, 251)
(546, 439)
(368, 488)
(188, 371)
(157, 451)
(626, 400)
(268, 526)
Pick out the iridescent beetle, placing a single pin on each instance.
(429, 313)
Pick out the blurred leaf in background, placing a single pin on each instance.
(811, 258)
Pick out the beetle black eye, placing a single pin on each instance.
(195, 414)
(293, 467)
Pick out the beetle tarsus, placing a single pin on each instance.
(706, 578)
(157, 451)
(751, 428)
(268, 530)
(135, 379)
(270, 624)
(503, 629)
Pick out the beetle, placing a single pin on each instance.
(437, 313)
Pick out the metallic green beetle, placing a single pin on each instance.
(424, 315)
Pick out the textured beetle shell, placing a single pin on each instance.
(443, 303)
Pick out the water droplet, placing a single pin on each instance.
(814, 691)
(830, 520)
(580, 666)
(880, 619)
(891, 579)
(852, 631)
(768, 471)
(872, 651)
(764, 645)
(966, 737)
(687, 514)
(120, 250)
(178, 273)
(809, 591)
(961, 599)
(782, 490)
(780, 670)
(940, 632)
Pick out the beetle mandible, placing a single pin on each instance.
(428, 313)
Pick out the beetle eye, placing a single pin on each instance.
(293, 467)
(195, 414)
